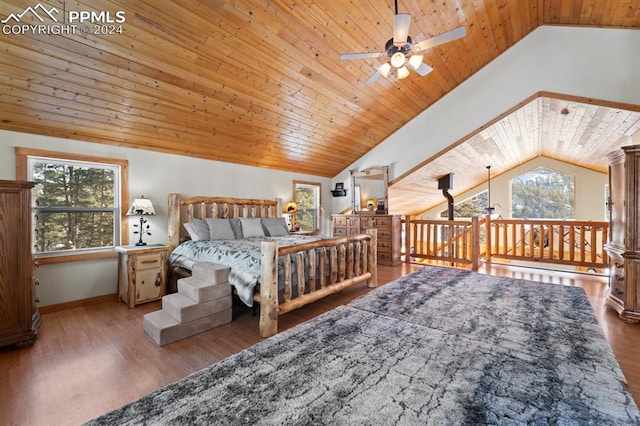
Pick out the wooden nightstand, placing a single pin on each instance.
(142, 273)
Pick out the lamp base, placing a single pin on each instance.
(141, 243)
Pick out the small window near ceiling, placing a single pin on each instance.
(543, 193)
(307, 198)
(76, 203)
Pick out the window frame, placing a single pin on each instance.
(317, 210)
(22, 173)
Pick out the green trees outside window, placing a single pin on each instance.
(307, 198)
(543, 193)
(76, 205)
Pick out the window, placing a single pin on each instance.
(470, 207)
(543, 193)
(307, 198)
(76, 203)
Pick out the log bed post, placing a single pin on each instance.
(372, 262)
(173, 236)
(269, 289)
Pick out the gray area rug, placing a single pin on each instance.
(438, 346)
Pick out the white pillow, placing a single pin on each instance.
(251, 227)
(198, 229)
(220, 229)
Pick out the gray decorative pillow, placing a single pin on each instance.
(198, 229)
(275, 227)
(251, 227)
(237, 228)
(220, 229)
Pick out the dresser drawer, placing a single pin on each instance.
(339, 221)
(367, 223)
(384, 244)
(148, 261)
(353, 221)
(384, 255)
(617, 280)
(384, 234)
(339, 231)
(383, 222)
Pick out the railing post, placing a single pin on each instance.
(487, 238)
(475, 243)
(407, 238)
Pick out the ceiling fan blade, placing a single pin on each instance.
(364, 55)
(375, 76)
(423, 69)
(445, 37)
(401, 22)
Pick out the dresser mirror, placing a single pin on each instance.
(370, 190)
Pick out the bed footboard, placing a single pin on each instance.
(332, 265)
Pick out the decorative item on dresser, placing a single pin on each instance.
(19, 317)
(142, 273)
(388, 226)
(623, 247)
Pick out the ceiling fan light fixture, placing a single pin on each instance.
(384, 69)
(403, 73)
(398, 59)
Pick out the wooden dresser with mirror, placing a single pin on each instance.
(369, 205)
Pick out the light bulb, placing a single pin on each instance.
(398, 59)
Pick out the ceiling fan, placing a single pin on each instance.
(402, 50)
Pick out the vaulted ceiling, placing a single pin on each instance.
(255, 82)
(565, 128)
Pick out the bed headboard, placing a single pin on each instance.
(182, 210)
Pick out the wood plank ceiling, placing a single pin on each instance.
(256, 82)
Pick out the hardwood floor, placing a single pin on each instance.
(92, 359)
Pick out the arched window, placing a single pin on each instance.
(543, 193)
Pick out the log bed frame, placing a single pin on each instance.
(342, 262)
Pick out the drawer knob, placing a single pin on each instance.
(619, 278)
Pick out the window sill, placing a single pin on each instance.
(53, 259)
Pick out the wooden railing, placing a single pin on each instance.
(575, 243)
(467, 243)
(447, 241)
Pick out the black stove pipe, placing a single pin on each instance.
(445, 183)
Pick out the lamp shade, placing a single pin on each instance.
(141, 206)
(291, 207)
(371, 203)
(403, 72)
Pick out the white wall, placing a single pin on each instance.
(595, 63)
(153, 175)
(589, 190)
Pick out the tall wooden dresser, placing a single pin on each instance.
(623, 247)
(388, 226)
(19, 317)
